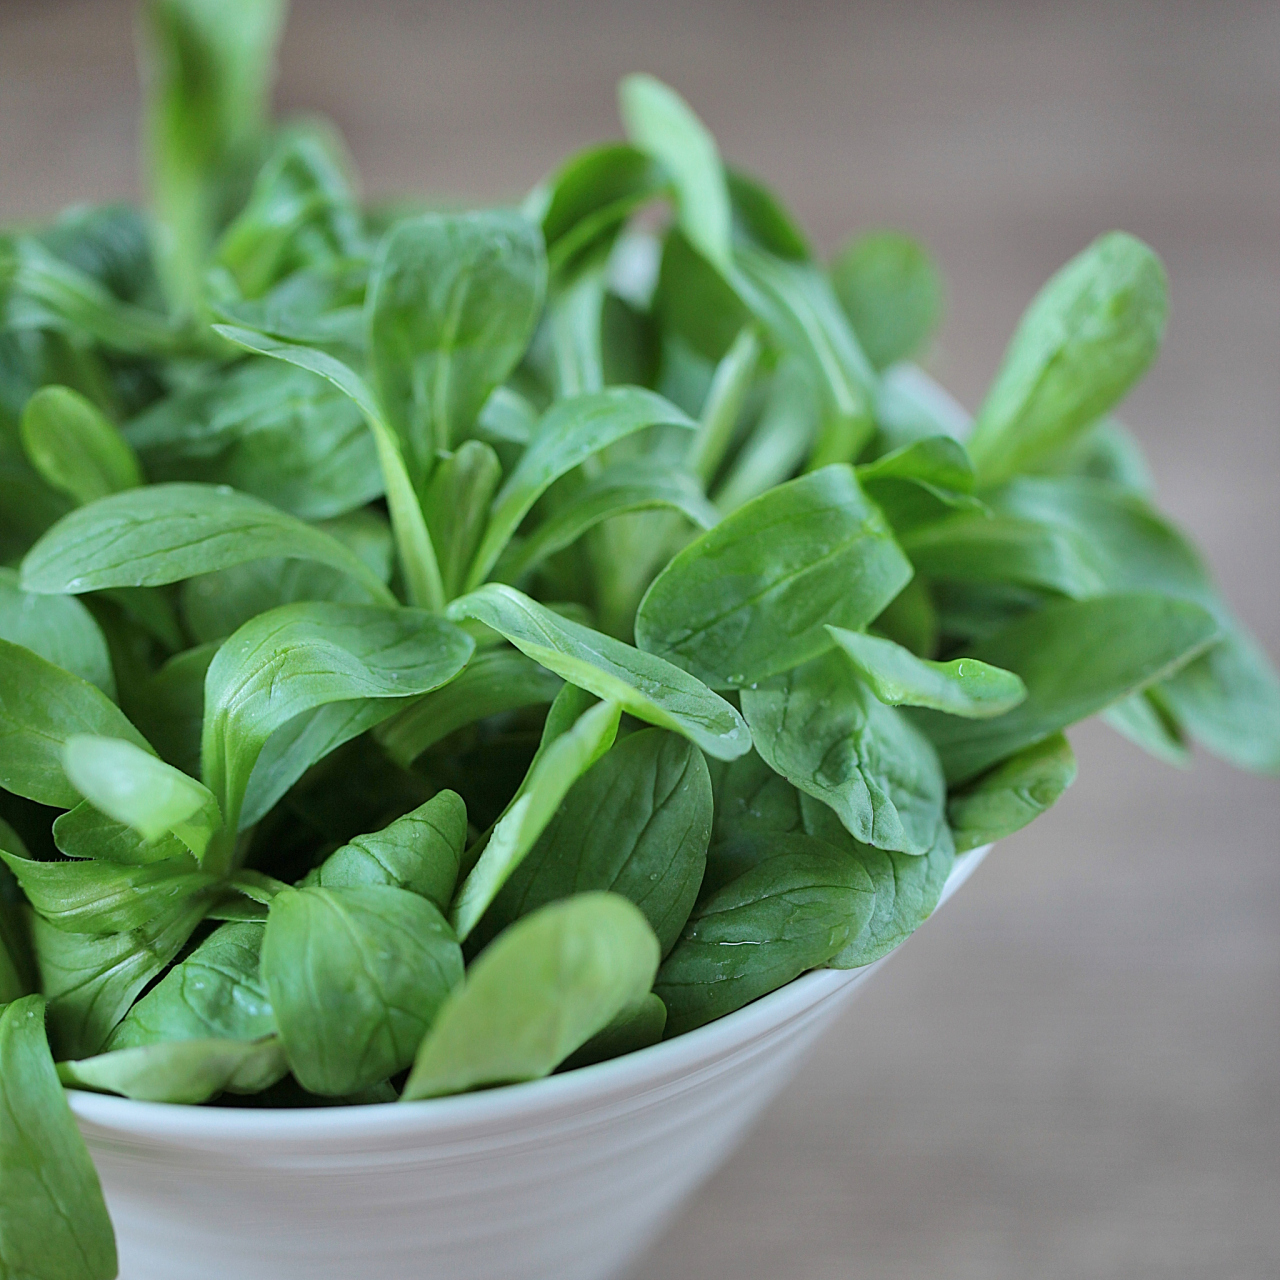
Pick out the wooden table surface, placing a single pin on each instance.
(1074, 1071)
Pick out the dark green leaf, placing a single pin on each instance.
(749, 598)
(637, 823)
(1076, 658)
(355, 977)
(792, 911)
(1014, 793)
(826, 733)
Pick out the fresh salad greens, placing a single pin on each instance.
(438, 649)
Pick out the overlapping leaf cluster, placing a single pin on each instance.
(437, 648)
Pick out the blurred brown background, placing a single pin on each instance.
(1074, 1072)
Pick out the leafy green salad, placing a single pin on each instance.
(442, 648)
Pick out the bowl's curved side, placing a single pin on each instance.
(567, 1177)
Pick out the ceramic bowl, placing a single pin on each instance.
(567, 1178)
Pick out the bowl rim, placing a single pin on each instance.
(666, 1061)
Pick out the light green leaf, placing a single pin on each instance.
(420, 851)
(749, 598)
(187, 1071)
(891, 290)
(209, 67)
(1013, 794)
(661, 123)
(538, 992)
(826, 733)
(457, 507)
(963, 687)
(167, 532)
(1088, 336)
(58, 628)
(303, 656)
(76, 450)
(452, 303)
(41, 706)
(569, 433)
(644, 685)
(556, 768)
(53, 1220)
(136, 788)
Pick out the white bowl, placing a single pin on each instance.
(567, 1178)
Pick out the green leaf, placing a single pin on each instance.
(826, 733)
(891, 290)
(41, 706)
(91, 980)
(781, 439)
(907, 891)
(413, 542)
(792, 911)
(356, 977)
(636, 823)
(661, 123)
(209, 66)
(1016, 792)
(583, 205)
(101, 898)
(188, 1071)
(637, 1027)
(494, 681)
(216, 993)
(538, 992)
(1151, 725)
(1076, 658)
(760, 218)
(275, 432)
(554, 770)
(1088, 336)
(53, 1221)
(135, 787)
(303, 656)
(167, 532)
(453, 300)
(301, 213)
(963, 687)
(457, 507)
(76, 450)
(723, 405)
(749, 598)
(60, 629)
(216, 604)
(570, 432)
(797, 305)
(937, 461)
(420, 851)
(626, 487)
(86, 832)
(643, 685)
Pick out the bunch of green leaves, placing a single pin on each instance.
(440, 650)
